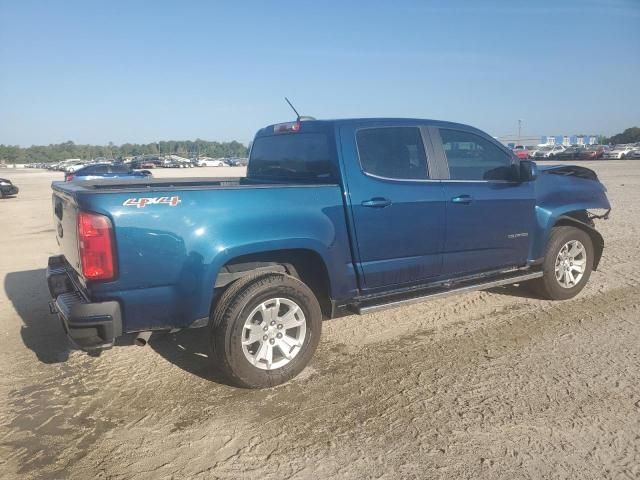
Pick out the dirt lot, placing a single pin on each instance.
(485, 385)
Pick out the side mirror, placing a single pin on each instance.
(528, 171)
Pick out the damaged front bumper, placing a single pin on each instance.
(92, 326)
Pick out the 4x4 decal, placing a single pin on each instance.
(143, 202)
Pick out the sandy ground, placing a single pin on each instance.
(485, 385)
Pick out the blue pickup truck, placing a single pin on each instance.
(332, 216)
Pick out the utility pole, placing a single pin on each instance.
(519, 131)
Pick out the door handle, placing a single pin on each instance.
(464, 199)
(377, 202)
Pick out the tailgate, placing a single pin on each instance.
(65, 219)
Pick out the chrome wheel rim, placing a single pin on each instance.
(571, 264)
(273, 333)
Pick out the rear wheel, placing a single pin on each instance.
(567, 264)
(265, 329)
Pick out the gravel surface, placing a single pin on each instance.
(492, 384)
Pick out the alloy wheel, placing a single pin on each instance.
(571, 264)
(273, 333)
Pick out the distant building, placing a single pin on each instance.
(567, 140)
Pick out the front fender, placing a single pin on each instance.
(558, 199)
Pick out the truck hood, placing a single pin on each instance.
(569, 171)
(566, 188)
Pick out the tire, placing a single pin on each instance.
(240, 305)
(549, 286)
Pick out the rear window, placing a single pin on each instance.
(298, 156)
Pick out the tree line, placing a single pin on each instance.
(63, 151)
(630, 135)
(186, 148)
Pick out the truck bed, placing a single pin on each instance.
(172, 237)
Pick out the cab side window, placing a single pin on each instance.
(393, 152)
(471, 157)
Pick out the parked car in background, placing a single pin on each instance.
(74, 167)
(170, 163)
(146, 162)
(187, 164)
(594, 152)
(211, 162)
(7, 189)
(571, 153)
(521, 151)
(105, 170)
(236, 162)
(635, 154)
(151, 164)
(549, 152)
(176, 161)
(534, 150)
(619, 152)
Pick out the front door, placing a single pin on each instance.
(490, 213)
(397, 212)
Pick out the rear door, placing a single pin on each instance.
(490, 213)
(397, 211)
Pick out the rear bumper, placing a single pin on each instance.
(92, 326)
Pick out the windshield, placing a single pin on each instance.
(297, 156)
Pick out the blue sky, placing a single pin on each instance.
(141, 71)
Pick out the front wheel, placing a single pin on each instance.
(567, 264)
(265, 329)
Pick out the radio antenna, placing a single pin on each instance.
(293, 108)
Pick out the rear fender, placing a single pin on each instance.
(340, 275)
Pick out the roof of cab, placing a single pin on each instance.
(323, 125)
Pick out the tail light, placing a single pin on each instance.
(96, 247)
(69, 177)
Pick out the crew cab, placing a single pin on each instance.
(333, 216)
